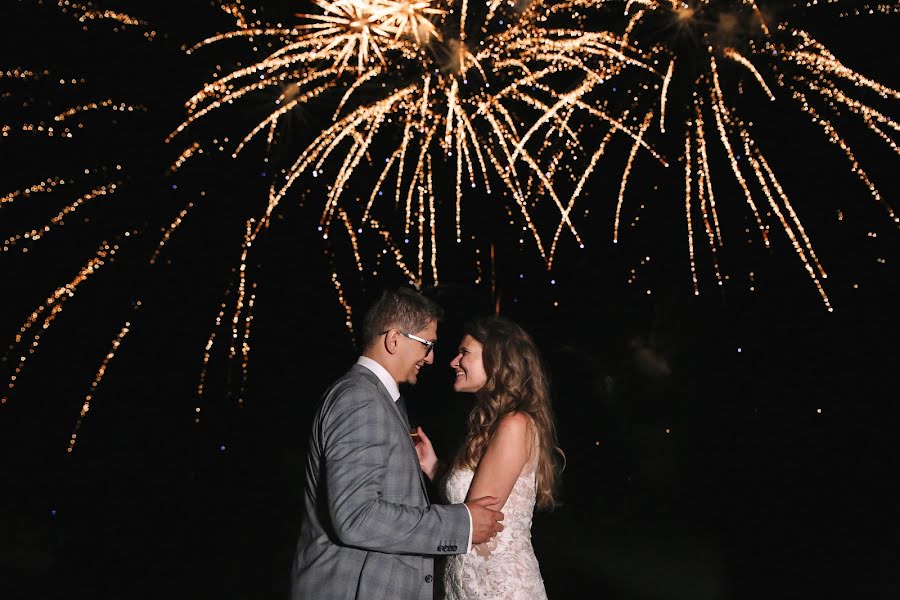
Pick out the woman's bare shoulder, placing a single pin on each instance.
(514, 423)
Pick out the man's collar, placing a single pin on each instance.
(389, 383)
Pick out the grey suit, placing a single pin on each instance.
(368, 531)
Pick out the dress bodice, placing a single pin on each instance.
(519, 507)
(504, 568)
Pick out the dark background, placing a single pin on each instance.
(735, 444)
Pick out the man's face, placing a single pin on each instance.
(414, 354)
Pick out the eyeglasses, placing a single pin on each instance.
(429, 345)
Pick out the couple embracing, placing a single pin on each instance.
(370, 530)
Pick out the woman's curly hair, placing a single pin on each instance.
(516, 383)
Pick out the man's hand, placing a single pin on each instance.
(485, 520)
(428, 460)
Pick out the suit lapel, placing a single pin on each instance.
(404, 424)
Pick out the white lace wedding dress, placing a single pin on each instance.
(504, 568)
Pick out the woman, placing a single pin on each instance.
(508, 454)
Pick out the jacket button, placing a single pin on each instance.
(428, 579)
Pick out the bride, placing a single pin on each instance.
(508, 454)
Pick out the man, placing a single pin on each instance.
(369, 531)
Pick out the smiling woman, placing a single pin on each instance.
(508, 454)
(469, 367)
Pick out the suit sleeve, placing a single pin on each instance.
(355, 435)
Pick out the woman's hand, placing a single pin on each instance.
(428, 460)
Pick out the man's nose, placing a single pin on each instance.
(429, 358)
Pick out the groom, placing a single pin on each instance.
(369, 530)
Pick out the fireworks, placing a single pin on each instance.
(411, 125)
(49, 117)
(415, 92)
(501, 96)
(420, 98)
(700, 41)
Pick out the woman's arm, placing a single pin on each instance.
(506, 455)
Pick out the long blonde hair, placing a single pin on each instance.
(516, 383)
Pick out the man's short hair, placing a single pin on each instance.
(404, 309)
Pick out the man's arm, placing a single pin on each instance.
(356, 438)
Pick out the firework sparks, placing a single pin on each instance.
(476, 98)
(104, 365)
(48, 105)
(50, 310)
(85, 11)
(780, 60)
(421, 113)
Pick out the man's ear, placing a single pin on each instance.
(391, 340)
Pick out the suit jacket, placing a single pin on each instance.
(368, 531)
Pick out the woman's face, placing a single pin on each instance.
(468, 366)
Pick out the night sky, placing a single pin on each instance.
(739, 443)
